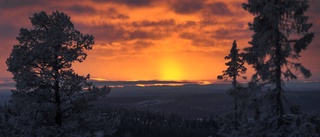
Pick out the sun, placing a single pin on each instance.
(170, 70)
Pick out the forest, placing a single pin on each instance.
(51, 99)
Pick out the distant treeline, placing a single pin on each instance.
(144, 123)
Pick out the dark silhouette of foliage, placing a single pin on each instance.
(137, 123)
(50, 98)
(235, 68)
(280, 34)
(235, 65)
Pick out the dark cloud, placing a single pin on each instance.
(313, 6)
(185, 25)
(189, 23)
(102, 32)
(130, 3)
(147, 23)
(138, 34)
(143, 30)
(219, 8)
(114, 33)
(196, 39)
(109, 33)
(135, 2)
(114, 14)
(187, 6)
(141, 35)
(112, 10)
(167, 25)
(8, 31)
(187, 35)
(208, 22)
(12, 4)
(231, 34)
(313, 13)
(82, 9)
(133, 31)
(140, 44)
(212, 12)
(120, 16)
(8, 34)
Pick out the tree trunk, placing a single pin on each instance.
(278, 89)
(234, 84)
(56, 68)
(58, 117)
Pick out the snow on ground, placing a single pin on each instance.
(201, 100)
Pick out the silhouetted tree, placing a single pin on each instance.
(280, 34)
(50, 98)
(235, 68)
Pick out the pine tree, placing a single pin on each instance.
(280, 34)
(235, 68)
(50, 98)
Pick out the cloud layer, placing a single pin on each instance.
(135, 38)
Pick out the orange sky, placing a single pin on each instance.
(150, 39)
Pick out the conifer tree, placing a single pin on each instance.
(280, 34)
(50, 98)
(235, 68)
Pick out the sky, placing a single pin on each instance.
(151, 39)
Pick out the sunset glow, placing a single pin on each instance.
(149, 39)
(170, 69)
(153, 85)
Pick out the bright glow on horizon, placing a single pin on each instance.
(159, 85)
(98, 79)
(171, 70)
(205, 82)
